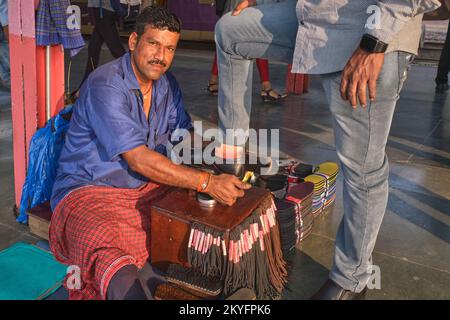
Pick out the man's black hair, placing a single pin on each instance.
(157, 17)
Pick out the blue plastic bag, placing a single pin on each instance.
(45, 149)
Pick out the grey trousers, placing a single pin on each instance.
(360, 135)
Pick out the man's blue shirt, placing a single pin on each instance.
(108, 119)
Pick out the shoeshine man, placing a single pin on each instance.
(114, 165)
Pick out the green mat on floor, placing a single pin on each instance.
(29, 273)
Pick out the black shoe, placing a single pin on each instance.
(236, 169)
(442, 87)
(332, 291)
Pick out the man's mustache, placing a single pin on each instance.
(156, 61)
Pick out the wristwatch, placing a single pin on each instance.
(371, 44)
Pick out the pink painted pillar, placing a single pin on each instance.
(28, 84)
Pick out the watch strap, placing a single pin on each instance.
(371, 44)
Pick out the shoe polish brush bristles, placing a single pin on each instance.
(192, 280)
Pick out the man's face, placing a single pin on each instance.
(153, 53)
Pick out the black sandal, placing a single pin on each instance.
(267, 97)
(212, 91)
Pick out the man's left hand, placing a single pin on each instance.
(361, 71)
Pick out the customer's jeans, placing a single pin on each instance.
(444, 61)
(244, 37)
(360, 138)
(5, 76)
(360, 135)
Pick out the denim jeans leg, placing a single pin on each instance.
(5, 77)
(360, 137)
(265, 31)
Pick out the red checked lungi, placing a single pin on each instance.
(100, 230)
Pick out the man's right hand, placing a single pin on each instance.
(226, 188)
(242, 5)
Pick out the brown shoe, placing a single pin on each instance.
(243, 294)
(332, 291)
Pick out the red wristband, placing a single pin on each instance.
(203, 181)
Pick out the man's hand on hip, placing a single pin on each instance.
(361, 73)
(242, 5)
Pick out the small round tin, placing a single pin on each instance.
(205, 200)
